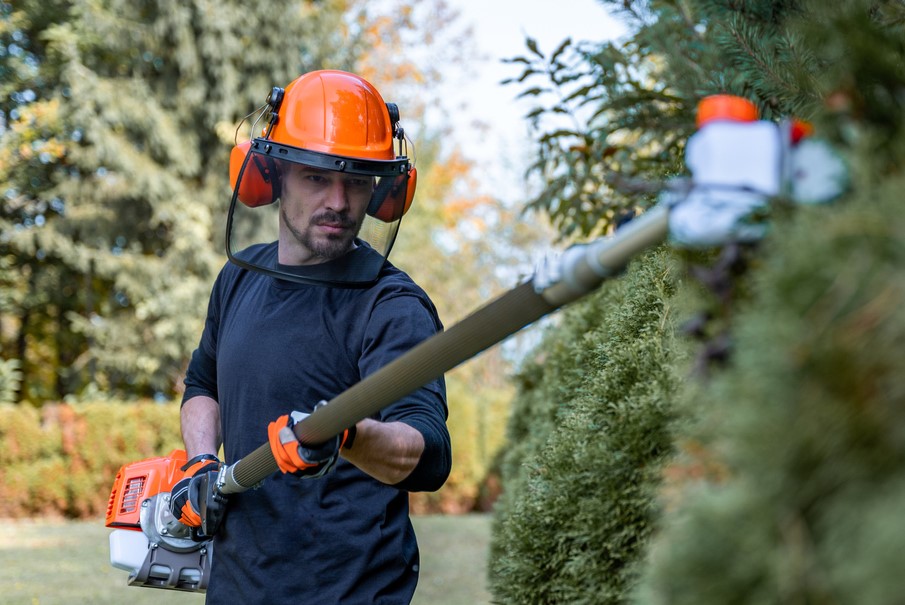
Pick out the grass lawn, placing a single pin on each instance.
(57, 562)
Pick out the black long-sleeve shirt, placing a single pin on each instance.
(271, 346)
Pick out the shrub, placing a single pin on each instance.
(61, 460)
(805, 425)
(590, 430)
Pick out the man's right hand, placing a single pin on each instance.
(186, 496)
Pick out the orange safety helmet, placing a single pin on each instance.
(330, 120)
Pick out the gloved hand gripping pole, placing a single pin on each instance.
(579, 271)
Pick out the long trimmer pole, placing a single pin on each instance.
(580, 270)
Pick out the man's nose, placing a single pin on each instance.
(338, 196)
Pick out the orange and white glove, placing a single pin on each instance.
(186, 497)
(302, 460)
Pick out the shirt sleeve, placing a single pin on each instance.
(396, 325)
(201, 375)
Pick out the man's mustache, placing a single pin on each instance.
(333, 218)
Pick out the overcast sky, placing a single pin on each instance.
(500, 28)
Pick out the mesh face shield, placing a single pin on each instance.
(314, 217)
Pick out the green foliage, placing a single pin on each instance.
(801, 433)
(806, 423)
(607, 127)
(114, 138)
(590, 433)
(785, 482)
(10, 379)
(612, 117)
(61, 460)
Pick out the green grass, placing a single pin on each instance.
(59, 562)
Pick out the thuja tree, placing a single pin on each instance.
(787, 436)
(589, 436)
(116, 126)
(797, 481)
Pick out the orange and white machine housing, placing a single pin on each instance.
(147, 541)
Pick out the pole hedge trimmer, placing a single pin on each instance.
(738, 164)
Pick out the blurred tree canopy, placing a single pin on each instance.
(116, 119)
(613, 116)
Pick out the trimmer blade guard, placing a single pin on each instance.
(154, 566)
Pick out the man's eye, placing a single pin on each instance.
(316, 178)
(359, 183)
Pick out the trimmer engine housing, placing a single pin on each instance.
(147, 541)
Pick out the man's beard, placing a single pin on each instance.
(328, 247)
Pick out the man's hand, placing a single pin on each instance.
(186, 496)
(301, 460)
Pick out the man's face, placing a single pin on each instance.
(321, 212)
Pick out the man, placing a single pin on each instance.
(296, 321)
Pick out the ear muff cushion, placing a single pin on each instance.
(260, 181)
(397, 200)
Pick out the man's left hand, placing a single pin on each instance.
(294, 457)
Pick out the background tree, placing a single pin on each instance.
(789, 437)
(117, 134)
(117, 119)
(453, 242)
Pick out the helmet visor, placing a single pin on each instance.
(312, 217)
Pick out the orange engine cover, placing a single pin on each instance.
(138, 481)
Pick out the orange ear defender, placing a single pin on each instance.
(260, 183)
(392, 204)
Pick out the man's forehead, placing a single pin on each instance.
(304, 168)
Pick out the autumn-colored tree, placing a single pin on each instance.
(455, 241)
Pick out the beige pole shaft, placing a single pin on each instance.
(583, 269)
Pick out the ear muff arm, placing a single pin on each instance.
(270, 173)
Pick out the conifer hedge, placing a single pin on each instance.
(805, 502)
(775, 454)
(589, 436)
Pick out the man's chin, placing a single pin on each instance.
(333, 247)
